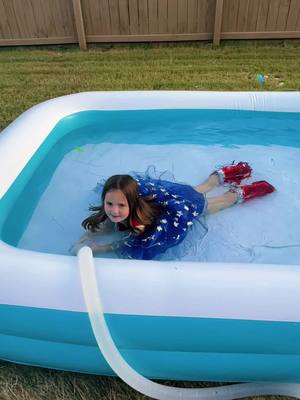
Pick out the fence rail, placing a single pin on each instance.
(25, 22)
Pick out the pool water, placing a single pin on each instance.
(190, 144)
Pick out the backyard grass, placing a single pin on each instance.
(34, 74)
(29, 383)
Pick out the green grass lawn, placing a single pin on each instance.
(29, 383)
(34, 74)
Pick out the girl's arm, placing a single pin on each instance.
(104, 227)
(89, 236)
(96, 248)
(101, 248)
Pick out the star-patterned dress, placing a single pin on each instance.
(183, 207)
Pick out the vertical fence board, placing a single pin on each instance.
(201, 16)
(42, 19)
(114, 16)
(5, 31)
(133, 17)
(272, 15)
(124, 17)
(210, 16)
(143, 16)
(105, 17)
(79, 23)
(49, 18)
(87, 17)
(182, 16)
(252, 15)
(87, 13)
(192, 15)
(283, 15)
(172, 16)
(11, 17)
(218, 22)
(57, 19)
(242, 16)
(262, 16)
(294, 15)
(298, 23)
(35, 19)
(153, 16)
(225, 25)
(50, 26)
(26, 26)
(162, 16)
(64, 9)
(33, 23)
(233, 14)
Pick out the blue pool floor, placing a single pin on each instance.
(262, 230)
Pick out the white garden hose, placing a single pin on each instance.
(140, 383)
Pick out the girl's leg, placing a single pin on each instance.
(211, 182)
(239, 194)
(215, 204)
(233, 173)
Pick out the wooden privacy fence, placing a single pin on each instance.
(28, 22)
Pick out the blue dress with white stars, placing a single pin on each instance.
(183, 206)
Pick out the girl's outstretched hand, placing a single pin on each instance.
(90, 239)
(100, 248)
(75, 247)
(83, 241)
(95, 247)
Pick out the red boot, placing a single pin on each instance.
(234, 173)
(255, 189)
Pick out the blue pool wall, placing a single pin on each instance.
(158, 347)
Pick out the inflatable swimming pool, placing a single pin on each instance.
(169, 319)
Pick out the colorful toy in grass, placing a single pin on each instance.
(261, 79)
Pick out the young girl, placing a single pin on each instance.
(158, 214)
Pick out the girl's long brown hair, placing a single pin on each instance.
(141, 209)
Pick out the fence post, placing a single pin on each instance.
(79, 24)
(218, 22)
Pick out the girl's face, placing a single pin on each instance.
(116, 206)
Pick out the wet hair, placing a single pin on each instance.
(141, 209)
